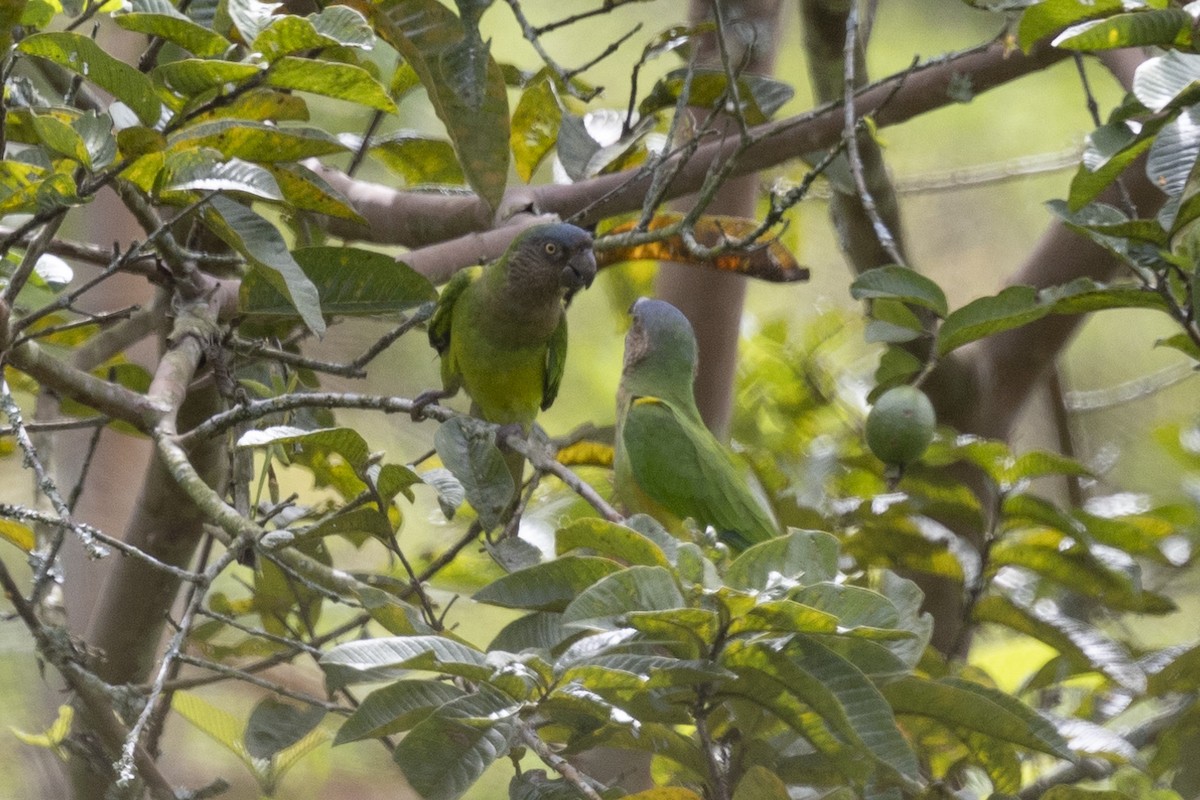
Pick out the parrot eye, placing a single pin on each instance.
(551, 249)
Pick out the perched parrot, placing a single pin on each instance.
(667, 463)
(501, 330)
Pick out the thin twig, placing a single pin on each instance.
(584, 784)
(886, 240)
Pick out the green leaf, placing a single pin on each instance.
(355, 526)
(257, 141)
(535, 123)
(695, 630)
(61, 138)
(896, 366)
(854, 606)
(547, 587)
(758, 783)
(1181, 342)
(1171, 79)
(464, 84)
(395, 708)
(1043, 463)
(1012, 308)
(1155, 27)
(87, 59)
(192, 76)
(1180, 674)
(96, 132)
(350, 282)
(444, 754)
(369, 659)
(334, 26)
(760, 96)
(832, 687)
(541, 630)
(1084, 295)
(781, 617)
(330, 79)
(202, 171)
(307, 191)
(900, 283)
(610, 540)
(1173, 154)
(1110, 150)
(809, 556)
(1051, 16)
(633, 589)
(261, 244)
(275, 726)
(418, 159)
(160, 18)
(962, 704)
(468, 449)
(1082, 642)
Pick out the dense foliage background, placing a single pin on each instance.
(232, 562)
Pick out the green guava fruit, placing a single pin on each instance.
(900, 425)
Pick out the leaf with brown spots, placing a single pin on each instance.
(767, 260)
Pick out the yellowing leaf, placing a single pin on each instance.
(769, 260)
(17, 534)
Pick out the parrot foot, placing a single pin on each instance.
(425, 399)
(505, 431)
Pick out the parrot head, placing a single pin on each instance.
(560, 252)
(660, 342)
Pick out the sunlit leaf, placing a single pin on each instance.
(256, 141)
(535, 123)
(1083, 642)
(1050, 16)
(87, 59)
(610, 540)
(192, 76)
(160, 18)
(1164, 26)
(418, 159)
(346, 442)
(962, 704)
(330, 79)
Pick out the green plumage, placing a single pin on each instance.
(501, 330)
(667, 463)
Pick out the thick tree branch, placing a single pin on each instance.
(414, 219)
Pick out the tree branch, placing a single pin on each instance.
(415, 219)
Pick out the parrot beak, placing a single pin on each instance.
(579, 272)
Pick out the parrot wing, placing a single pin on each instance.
(556, 362)
(678, 464)
(439, 323)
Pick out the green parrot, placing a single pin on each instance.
(667, 463)
(501, 329)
